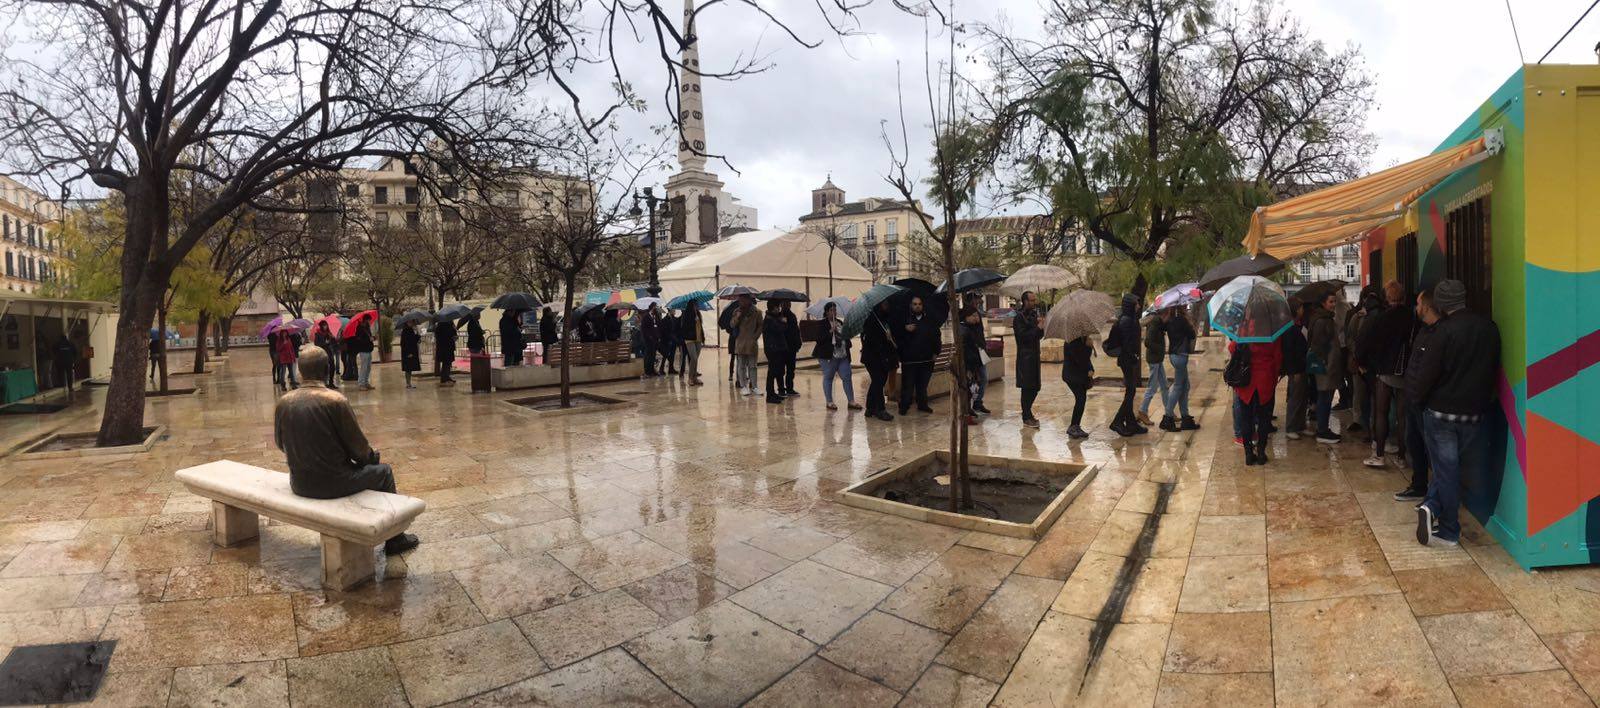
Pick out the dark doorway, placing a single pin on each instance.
(1467, 253)
(1375, 268)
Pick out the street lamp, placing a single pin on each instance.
(650, 201)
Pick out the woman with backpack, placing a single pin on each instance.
(1253, 373)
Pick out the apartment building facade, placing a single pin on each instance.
(873, 231)
(32, 248)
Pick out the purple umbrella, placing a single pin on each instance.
(300, 323)
(271, 326)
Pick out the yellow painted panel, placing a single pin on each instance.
(1561, 147)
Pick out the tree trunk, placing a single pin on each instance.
(1140, 286)
(960, 488)
(200, 342)
(122, 423)
(830, 269)
(566, 336)
(219, 338)
(161, 326)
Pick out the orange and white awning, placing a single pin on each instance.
(1346, 212)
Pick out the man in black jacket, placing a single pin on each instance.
(1294, 369)
(444, 351)
(792, 333)
(1455, 386)
(1124, 340)
(1418, 344)
(919, 340)
(1028, 333)
(775, 344)
(880, 355)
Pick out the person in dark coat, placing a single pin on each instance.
(272, 353)
(1381, 356)
(775, 344)
(324, 339)
(1180, 346)
(361, 345)
(1123, 343)
(511, 341)
(64, 356)
(880, 355)
(1301, 387)
(1420, 341)
(1025, 326)
(548, 331)
(974, 369)
(792, 333)
(1077, 371)
(410, 352)
(1325, 361)
(1455, 386)
(474, 335)
(444, 351)
(649, 340)
(919, 341)
(693, 335)
(725, 322)
(1266, 362)
(668, 331)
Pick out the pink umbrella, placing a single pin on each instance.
(334, 322)
(355, 322)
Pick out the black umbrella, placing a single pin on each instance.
(972, 279)
(784, 294)
(1320, 290)
(583, 311)
(1262, 265)
(516, 301)
(454, 312)
(916, 286)
(413, 316)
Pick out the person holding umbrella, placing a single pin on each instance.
(775, 343)
(1027, 331)
(1325, 362)
(474, 334)
(361, 344)
(410, 351)
(329, 344)
(511, 342)
(1123, 343)
(791, 332)
(693, 335)
(1077, 372)
(548, 331)
(444, 350)
(272, 354)
(919, 343)
(650, 340)
(832, 351)
(1180, 346)
(747, 333)
(285, 345)
(1253, 373)
(1155, 354)
(880, 355)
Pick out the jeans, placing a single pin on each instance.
(1324, 409)
(1253, 420)
(1416, 448)
(1299, 400)
(365, 361)
(288, 375)
(1178, 389)
(1446, 441)
(977, 383)
(877, 376)
(914, 380)
(840, 368)
(744, 367)
(1028, 396)
(1158, 383)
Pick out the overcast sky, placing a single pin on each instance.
(819, 111)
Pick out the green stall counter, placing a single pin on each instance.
(16, 385)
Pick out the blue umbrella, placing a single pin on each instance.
(696, 298)
(1250, 309)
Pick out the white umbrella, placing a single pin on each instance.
(840, 301)
(1038, 278)
(645, 303)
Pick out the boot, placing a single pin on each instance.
(1144, 418)
(1261, 453)
(1169, 424)
(1188, 423)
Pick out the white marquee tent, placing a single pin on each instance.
(767, 259)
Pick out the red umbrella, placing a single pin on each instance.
(350, 327)
(335, 323)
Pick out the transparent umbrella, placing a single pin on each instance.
(1038, 278)
(1250, 309)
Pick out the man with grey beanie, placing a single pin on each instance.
(1455, 388)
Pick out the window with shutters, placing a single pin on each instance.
(1468, 257)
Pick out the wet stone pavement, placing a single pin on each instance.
(689, 551)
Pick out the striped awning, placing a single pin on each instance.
(1346, 212)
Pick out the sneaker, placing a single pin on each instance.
(1442, 542)
(1374, 461)
(1328, 437)
(400, 544)
(1123, 430)
(1292, 435)
(832, 407)
(1391, 449)
(774, 399)
(1409, 495)
(925, 409)
(749, 392)
(1144, 418)
(1072, 432)
(1030, 422)
(1424, 524)
(1188, 424)
(1239, 442)
(854, 406)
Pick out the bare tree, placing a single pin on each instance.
(833, 234)
(962, 154)
(568, 241)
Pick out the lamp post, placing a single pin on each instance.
(650, 201)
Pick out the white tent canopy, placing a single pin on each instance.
(764, 260)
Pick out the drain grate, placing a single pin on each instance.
(54, 673)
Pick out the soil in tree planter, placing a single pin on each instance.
(1005, 494)
(79, 441)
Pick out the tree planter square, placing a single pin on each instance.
(1012, 497)
(82, 444)
(549, 405)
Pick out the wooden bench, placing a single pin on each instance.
(350, 526)
(591, 353)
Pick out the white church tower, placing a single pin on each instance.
(700, 208)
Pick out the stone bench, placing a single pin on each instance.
(350, 526)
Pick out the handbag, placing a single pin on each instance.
(1314, 363)
(1237, 374)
